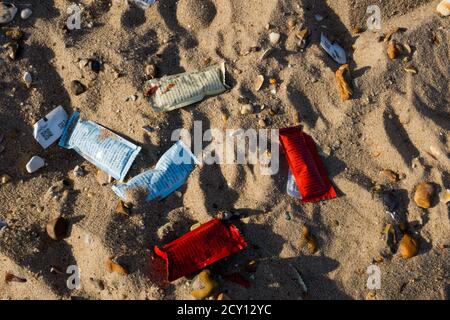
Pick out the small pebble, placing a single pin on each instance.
(26, 13)
(95, 65)
(77, 87)
(246, 109)
(111, 266)
(424, 195)
(262, 123)
(35, 164)
(274, 38)
(408, 247)
(5, 178)
(150, 71)
(204, 285)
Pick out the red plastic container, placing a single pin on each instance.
(306, 165)
(200, 247)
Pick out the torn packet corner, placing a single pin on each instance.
(106, 150)
(200, 247)
(180, 90)
(334, 50)
(170, 173)
(48, 129)
(306, 166)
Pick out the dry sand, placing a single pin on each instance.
(396, 120)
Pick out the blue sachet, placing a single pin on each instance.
(100, 146)
(170, 173)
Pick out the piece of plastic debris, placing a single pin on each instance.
(169, 174)
(291, 186)
(333, 49)
(10, 277)
(306, 165)
(177, 91)
(408, 246)
(423, 195)
(26, 13)
(444, 8)
(78, 171)
(3, 224)
(411, 69)
(7, 12)
(35, 164)
(100, 146)
(343, 79)
(204, 285)
(48, 129)
(308, 239)
(144, 4)
(27, 79)
(112, 266)
(300, 281)
(58, 228)
(238, 278)
(201, 247)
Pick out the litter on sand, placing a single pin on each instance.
(47, 130)
(177, 91)
(291, 187)
(333, 49)
(100, 146)
(200, 247)
(169, 174)
(307, 167)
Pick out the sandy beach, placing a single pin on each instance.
(390, 136)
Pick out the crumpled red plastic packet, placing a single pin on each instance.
(306, 166)
(200, 247)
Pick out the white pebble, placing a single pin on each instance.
(246, 109)
(35, 164)
(274, 38)
(25, 13)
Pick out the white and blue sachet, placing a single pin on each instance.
(170, 173)
(106, 150)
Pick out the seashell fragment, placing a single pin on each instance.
(7, 12)
(246, 109)
(393, 50)
(343, 85)
(9, 277)
(424, 194)
(58, 228)
(411, 69)
(444, 8)
(12, 48)
(308, 239)
(408, 247)
(111, 266)
(274, 38)
(26, 13)
(27, 79)
(389, 175)
(204, 285)
(445, 198)
(259, 82)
